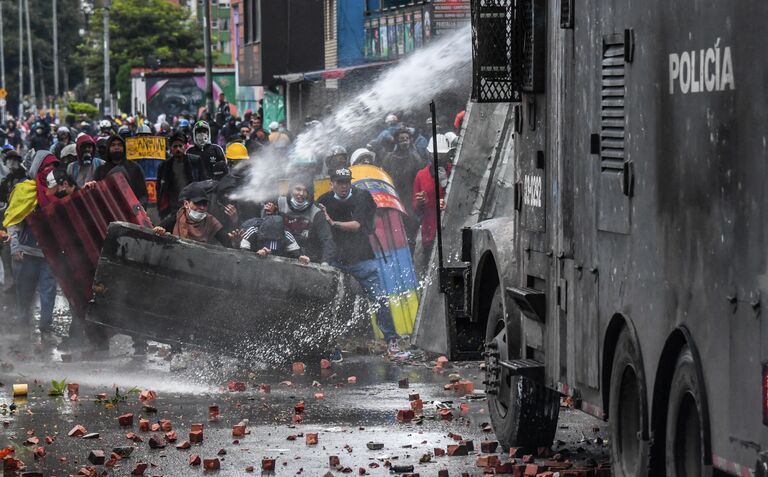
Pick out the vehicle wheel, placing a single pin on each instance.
(627, 410)
(685, 417)
(523, 412)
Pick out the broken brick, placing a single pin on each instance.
(249, 469)
(213, 412)
(442, 361)
(267, 465)
(464, 387)
(133, 437)
(73, 389)
(352, 380)
(154, 427)
(299, 407)
(139, 468)
(194, 459)
(125, 419)
(439, 452)
(405, 415)
(531, 470)
(77, 431)
(265, 388)
(487, 460)
(319, 396)
(156, 443)
(184, 445)
(488, 447)
(414, 396)
(403, 383)
(417, 405)
(197, 427)
(297, 418)
(445, 414)
(236, 386)
(32, 441)
(469, 444)
(442, 473)
(311, 438)
(504, 468)
(171, 436)
(97, 457)
(165, 425)
(196, 437)
(299, 367)
(333, 460)
(516, 452)
(528, 459)
(211, 464)
(238, 430)
(147, 395)
(144, 425)
(325, 364)
(457, 450)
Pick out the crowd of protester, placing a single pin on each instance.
(207, 163)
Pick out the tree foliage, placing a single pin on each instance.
(146, 33)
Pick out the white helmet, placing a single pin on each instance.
(363, 156)
(105, 124)
(391, 118)
(452, 138)
(443, 146)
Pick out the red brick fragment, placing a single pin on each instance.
(166, 425)
(238, 430)
(265, 388)
(171, 436)
(155, 427)
(77, 431)
(414, 396)
(297, 418)
(212, 464)
(417, 405)
(299, 367)
(97, 457)
(196, 437)
(133, 437)
(196, 427)
(147, 395)
(299, 407)
(125, 419)
(319, 396)
(442, 473)
(489, 460)
(236, 386)
(528, 459)
(194, 459)
(249, 469)
(213, 411)
(504, 468)
(144, 425)
(442, 362)
(267, 465)
(352, 380)
(184, 445)
(139, 468)
(469, 444)
(531, 470)
(73, 389)
(445, 414)
(311, 438)
(457, 450)
(333, 460)
(439, 452)
(405, 415)
(488, 447)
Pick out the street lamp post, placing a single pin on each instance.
(107, 97)
(208, 61)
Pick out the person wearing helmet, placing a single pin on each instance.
(83, 170)
(124, 132)
(116, 163)
(63, 139)
(68, 155)
(203, 154)
(40, 136)
(402, 164)
(337, 159)
(385, 141)
(16, 174)
(173, 175)
(236, 153)
(105, 128)
(363, 156)
(183, 128)
(143, 130)
(13, 135)
(101, 147)
(423, 198)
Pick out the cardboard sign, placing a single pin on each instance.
(145, 147)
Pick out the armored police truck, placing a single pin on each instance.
(621, 249)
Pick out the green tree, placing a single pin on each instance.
(145, 33)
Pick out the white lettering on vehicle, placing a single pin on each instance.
(532, 190)
(702, 71)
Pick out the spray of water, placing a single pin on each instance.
(408, 85)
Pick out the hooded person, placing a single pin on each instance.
(84, 168)
(174, 175)
(116, 162)
(15, 175)
(13, 135)
(40, 136)
(192, 221)
(203, 153)
(68, 154)
(31, 271)
(302, 218)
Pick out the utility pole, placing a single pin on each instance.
(29, 57)
(208, 62)
(2, 62)
(106, 100)
(21, 59)
(55, 57)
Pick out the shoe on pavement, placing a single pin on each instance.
(336, 356)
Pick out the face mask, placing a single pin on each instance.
(442, 176)
(87, 158)
(196, 215)
(60, 194)
(201, 138)
(336, 196)
(404, 144)
(298, 206)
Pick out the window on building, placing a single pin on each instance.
(329, 10)
(252, 21)
(224, 24)
(225, 48)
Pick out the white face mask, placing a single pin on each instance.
(201, 138)
(442, 176)
(196, 215)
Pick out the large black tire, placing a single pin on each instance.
(627, 410)
(523, 413)
(685, 437)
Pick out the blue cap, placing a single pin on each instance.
(7, 147)
(183, 123)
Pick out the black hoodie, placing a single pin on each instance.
(132, 171)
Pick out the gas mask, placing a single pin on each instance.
(201, 138)
(87, 158)
(196, 215)
(403, 145)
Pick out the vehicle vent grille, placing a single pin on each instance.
(612, 112)
(493, 77)
(532, 56)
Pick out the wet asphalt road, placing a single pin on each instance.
(346, 418)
